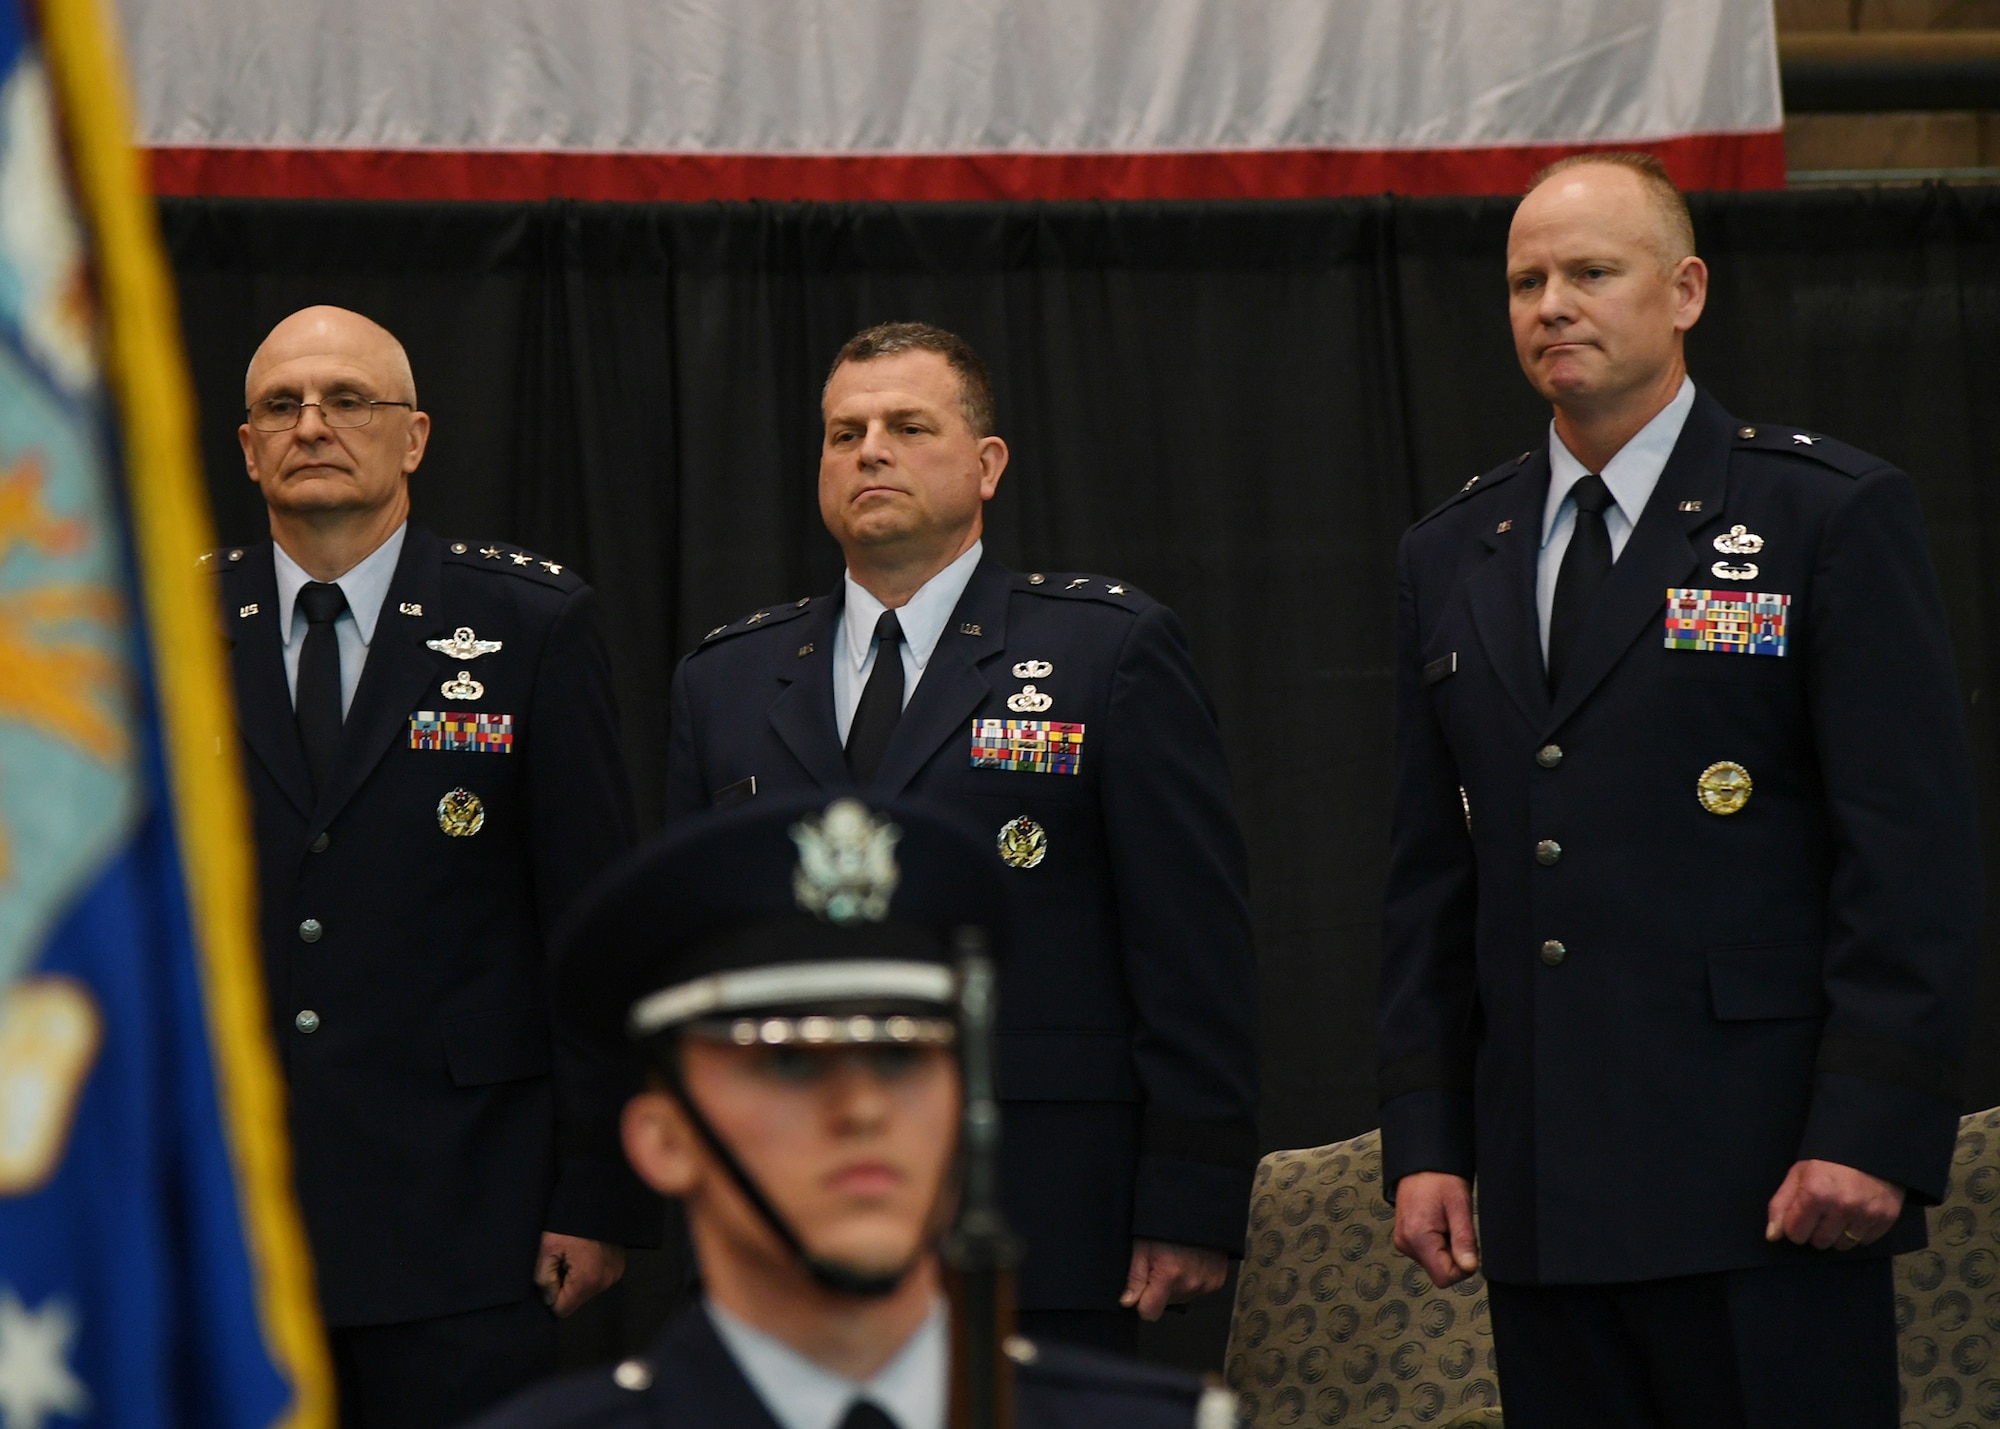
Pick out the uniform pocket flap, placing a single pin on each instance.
(1065, 1067)
(505, 1046)
(1757, 980)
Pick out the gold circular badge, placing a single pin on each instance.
(1724, 787)
(1023, 843)
(460, 814)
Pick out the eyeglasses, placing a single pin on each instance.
(336, 409)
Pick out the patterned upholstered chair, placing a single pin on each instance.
(1948, 1295)
(1333, 1328)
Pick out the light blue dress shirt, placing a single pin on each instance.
(366, 586)
(804, 1394)
(923, 620)
(1630, 476)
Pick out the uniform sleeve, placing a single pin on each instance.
(1427, 1019)
(687, 790)
(1181, 885)
(581, 810)
(1904, 907)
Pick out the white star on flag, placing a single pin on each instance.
(35, 1378)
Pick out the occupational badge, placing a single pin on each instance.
(1023, 843)
(1724, 571)
(461, 814)
(463, 688)
(1029, 701)
(462, 731)
(1033, 670)
(1737, 541)
(1027, 746)
(847, 864)
(1724, 787)
(1733, 622)
(464, 645)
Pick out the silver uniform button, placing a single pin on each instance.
(1549, 756)
(1553, 953)
(634, 1374)
(319, 845)
(307, 1022)
(1548, 853)
(311, 931)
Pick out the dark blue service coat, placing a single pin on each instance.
(1127, 1063)
(1627, 1013)
(437, 1129)
(689, 1381)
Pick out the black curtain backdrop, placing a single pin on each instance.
(1237, 406)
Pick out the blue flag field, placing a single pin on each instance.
(152, 1272)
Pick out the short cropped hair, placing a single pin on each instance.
(1669, 207)
(975, 387)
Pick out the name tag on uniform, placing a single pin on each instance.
(462, 731)
(1730, 622)
(1028, 746)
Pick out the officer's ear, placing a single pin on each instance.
(660, 1143)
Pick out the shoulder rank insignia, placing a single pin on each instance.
(1731, 622)
(464, 645)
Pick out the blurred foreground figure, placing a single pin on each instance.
(1684, 902)
(1059, 713)
(795, 976)
(432, 756)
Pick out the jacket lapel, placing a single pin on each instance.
(803, 714)
(1658, 554)
(263, 698)
(952, 689)
(393, 682)
(1502, 590)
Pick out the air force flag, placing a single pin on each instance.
(151, 1269)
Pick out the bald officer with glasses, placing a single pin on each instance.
(432, 757)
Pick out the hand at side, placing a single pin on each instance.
(1832, 1207)
(1434, 1225)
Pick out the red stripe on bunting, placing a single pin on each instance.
(1701, 161)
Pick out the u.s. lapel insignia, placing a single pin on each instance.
(847, 869)
(1033, 670)
(244, 612)
(463, 688)
(463, 645)
(1029, 701)
(410, 607)
(461, 814)
(1023, 843)
(1724, 787)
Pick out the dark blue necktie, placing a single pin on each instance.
(1585, 565)
(864, 1415)
(316, 701)
(881, 702)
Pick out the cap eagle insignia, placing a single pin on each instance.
(847, 864)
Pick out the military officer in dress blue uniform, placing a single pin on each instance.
(1684, 898)
(434, 774)
(795, 972)
(1060, 715)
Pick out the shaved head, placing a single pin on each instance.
(325, 331)
(1666, 211)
